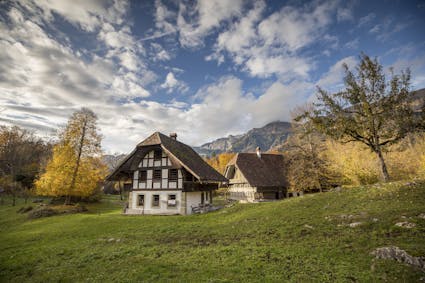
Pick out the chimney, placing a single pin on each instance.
(173, 136)
(258, 149)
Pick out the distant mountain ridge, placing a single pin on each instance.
(267, 138)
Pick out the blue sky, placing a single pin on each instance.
(203, 69)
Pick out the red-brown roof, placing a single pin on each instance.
(265, 171)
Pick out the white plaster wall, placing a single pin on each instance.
(192, 199)
(163, 207)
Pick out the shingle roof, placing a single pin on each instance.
(267, 171)
(179, 152)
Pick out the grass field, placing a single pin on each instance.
(304, 239)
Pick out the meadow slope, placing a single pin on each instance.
(305, 239)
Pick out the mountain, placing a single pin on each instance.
(418, 99)
(112, 160)
(267, 137)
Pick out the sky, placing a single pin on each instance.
(203, 69)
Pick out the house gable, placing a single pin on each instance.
(155, 170)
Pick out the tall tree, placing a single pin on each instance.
(370, 110)
(21, 154)
(76, 166)
(307, 169)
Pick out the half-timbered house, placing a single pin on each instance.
(168, 176)
(256, 177)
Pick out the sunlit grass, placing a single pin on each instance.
(301, 240)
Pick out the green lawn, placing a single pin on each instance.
(267, 242)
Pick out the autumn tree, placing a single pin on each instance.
(21, 156)
(369, 110)
(76, 167)
(307, 168)
(219, 161)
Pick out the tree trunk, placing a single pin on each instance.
(119, 186)
(384, 170)
(77, 165)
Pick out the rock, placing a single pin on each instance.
(336, 189)
(111, 240)
(355, 224)
(405, 224)
(308, 226)
(375, 219)
(25, 209)
(395, 253)
(422, 215)
(41, 212)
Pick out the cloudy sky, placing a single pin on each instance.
(203, 69)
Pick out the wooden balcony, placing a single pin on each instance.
(195, 186)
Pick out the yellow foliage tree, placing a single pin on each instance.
(357, 164)
(353, 162)
(220, 161)
(76, 168)
(58, 171)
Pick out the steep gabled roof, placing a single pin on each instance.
(267, 171)
(178, 152)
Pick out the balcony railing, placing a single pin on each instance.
(195, 186)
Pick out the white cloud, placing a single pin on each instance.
(345, 14)
(195, 22)
(295, 28)
(271, 46)
(352, 44)
(172, 84)
(366, 19)
(333, 78)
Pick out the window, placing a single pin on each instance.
(157, 154)
(141, 200)
(157, 174)
(172, 200)
(173, 175)
(143, 175)
(155, 200)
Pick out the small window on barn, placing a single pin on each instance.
(157, 174)
(141, 200)
(172, 200)
(143, 175)
(157, 154)
(155, 200)
(173, 175)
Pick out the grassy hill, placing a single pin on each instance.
(304, 239)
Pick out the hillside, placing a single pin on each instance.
(266, 137)
(306, 239)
